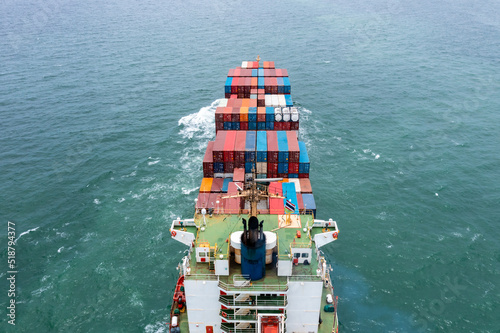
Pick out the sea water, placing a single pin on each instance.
(106, 109)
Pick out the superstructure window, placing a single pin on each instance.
(296, 255)
(305, 255)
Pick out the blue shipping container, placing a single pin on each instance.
(236, 126)
(261, 146)
(250, 146)
(303, 158)
(282, 146)
(261, 126)
(260, 83)
(309, 203)
(252, 114)
(288, 100)
(228, 125)
(286, 82)
(252, 126)
(254, 72)
(270, 125)
(249, 166)
(290, 194)
(293, 175)
(226, 184)
(269, 113)
(282, 168)
(218, 167)
(227, 86)
(281, 88)
(261, 71)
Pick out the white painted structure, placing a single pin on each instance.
(203, 310)
(304, 306)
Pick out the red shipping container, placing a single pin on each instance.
(293, 148)
(239, 174)
(272, 167)
(276, 205)
(261, 114)
(218, 148)
(244, 126)
(300, 202)
(284, 72)
(305, 185)
(272, 72)
(238, 103)
(232, 205)
(285, 126)
(293, 167)
(219, 125)
(234, 85)
(282, 175)
(239, 164)
(253, 103)
(271, 64)
(212, 201)
(272, 147)
(254, 91)
(208, 161)
(231, 72)
(272, 175)
(278, 72)
(217, 185)
(219, 114)
(228, 167)
(253, 84)
(237, 72)
(265, 64)
(227, 113)
(229, 147)
(294, 126)
(267, 85)
(239, 146)
(261, 91)
(235, 115)
(274, 85)
(278, 126)
(203, 200)
(303, 175)
(266, 72)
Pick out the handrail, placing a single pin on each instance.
(253, 287)
(210, 277)
(304, 277)
(229, 301)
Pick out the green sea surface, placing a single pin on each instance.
(106, 109)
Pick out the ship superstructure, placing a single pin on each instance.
(255, 262)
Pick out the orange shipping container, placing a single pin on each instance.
(206, 185)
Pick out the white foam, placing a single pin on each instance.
(154, 160)
(121, 200)
(26, 232)
(156, 328)
(59, 250)
(97, 201)
(200, 123)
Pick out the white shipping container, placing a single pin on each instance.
(277, 114)
(275, 101)
(295, 114)
(244, 64)
(223, 102)
(286, 114)
(296, 182)
(269, 100)
(282, 100)
(262, 167)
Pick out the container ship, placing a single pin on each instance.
(254, 262)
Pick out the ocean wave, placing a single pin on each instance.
(26, 232)
(200, 123)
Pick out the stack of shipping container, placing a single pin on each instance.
(256, 133)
